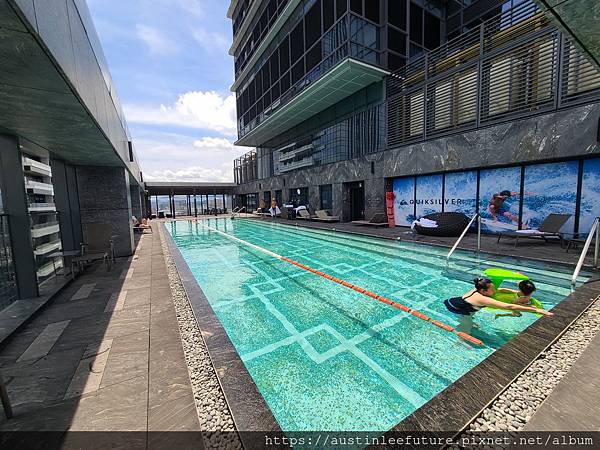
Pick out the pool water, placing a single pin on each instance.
(325, 357)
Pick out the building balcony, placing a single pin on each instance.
(47, 248)
(33, 167)
(41, 207)
(45, 229)
(350, 62)
(49, 268)
(305, 162)
(315, 93)
(36, 187)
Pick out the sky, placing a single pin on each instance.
(169, 60)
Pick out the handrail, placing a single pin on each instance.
(237, 210)
(594, 230)
(476, 216)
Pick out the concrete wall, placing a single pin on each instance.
(104, 197)
(560, 135)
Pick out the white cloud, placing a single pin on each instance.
(173, 157)
(157, 43)
(213, 43)
(197, 109)
(218, 144)
(197, 174)
(193, 7)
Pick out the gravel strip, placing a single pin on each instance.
(213, 412)
(517, 404)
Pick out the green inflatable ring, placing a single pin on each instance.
(510, 297)
(499, 275)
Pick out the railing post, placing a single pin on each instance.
(479, 87)
(478, 235)
(597, 247)
(425, 94)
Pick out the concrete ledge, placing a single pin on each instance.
(15, 316)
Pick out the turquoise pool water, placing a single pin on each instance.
(325, 357)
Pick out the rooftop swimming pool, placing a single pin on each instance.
(325, 357)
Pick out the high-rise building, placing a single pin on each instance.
(443, 103)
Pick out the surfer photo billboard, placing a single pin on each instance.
(499, 199)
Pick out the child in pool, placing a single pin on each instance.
(526, 290)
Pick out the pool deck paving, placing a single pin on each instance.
(573, 405)
(104, 355)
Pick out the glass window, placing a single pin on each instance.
(284, 55)
(328, 14)
(416, 24)
(326, 196)
(297, 42)
(312, 25)
(372, 10)
(432, 31)
(397, 13)
(396, 61)
(356, 6)
(341, 8)
(313, 57)
(396, 41)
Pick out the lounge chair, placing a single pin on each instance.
(324, 216)
(549, 228)
(448, 224)
(378, 220)
(304, 215)
(98, 245)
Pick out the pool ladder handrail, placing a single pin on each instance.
(237, 210)
(478, 217)
(595, 230)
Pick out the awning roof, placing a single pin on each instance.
(185, 188)
(348, 77)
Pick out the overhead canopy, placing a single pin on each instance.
(65, 108)
(184, 188)
(348, 77)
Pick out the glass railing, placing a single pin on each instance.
(351, 37)
(8, 279)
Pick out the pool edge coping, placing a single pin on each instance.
(461, 402)
(223, 356)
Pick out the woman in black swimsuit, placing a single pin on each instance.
(478, 298)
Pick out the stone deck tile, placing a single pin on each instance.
(121, 346)
(573, 404)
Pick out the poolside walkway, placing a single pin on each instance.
(105, 355)
(526, 248)
(573, 405)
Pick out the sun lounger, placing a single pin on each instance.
(378, 220)
(324, 216)
(303, 214)
(98, 245)
(549, 228)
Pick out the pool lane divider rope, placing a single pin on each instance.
(387, 301)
